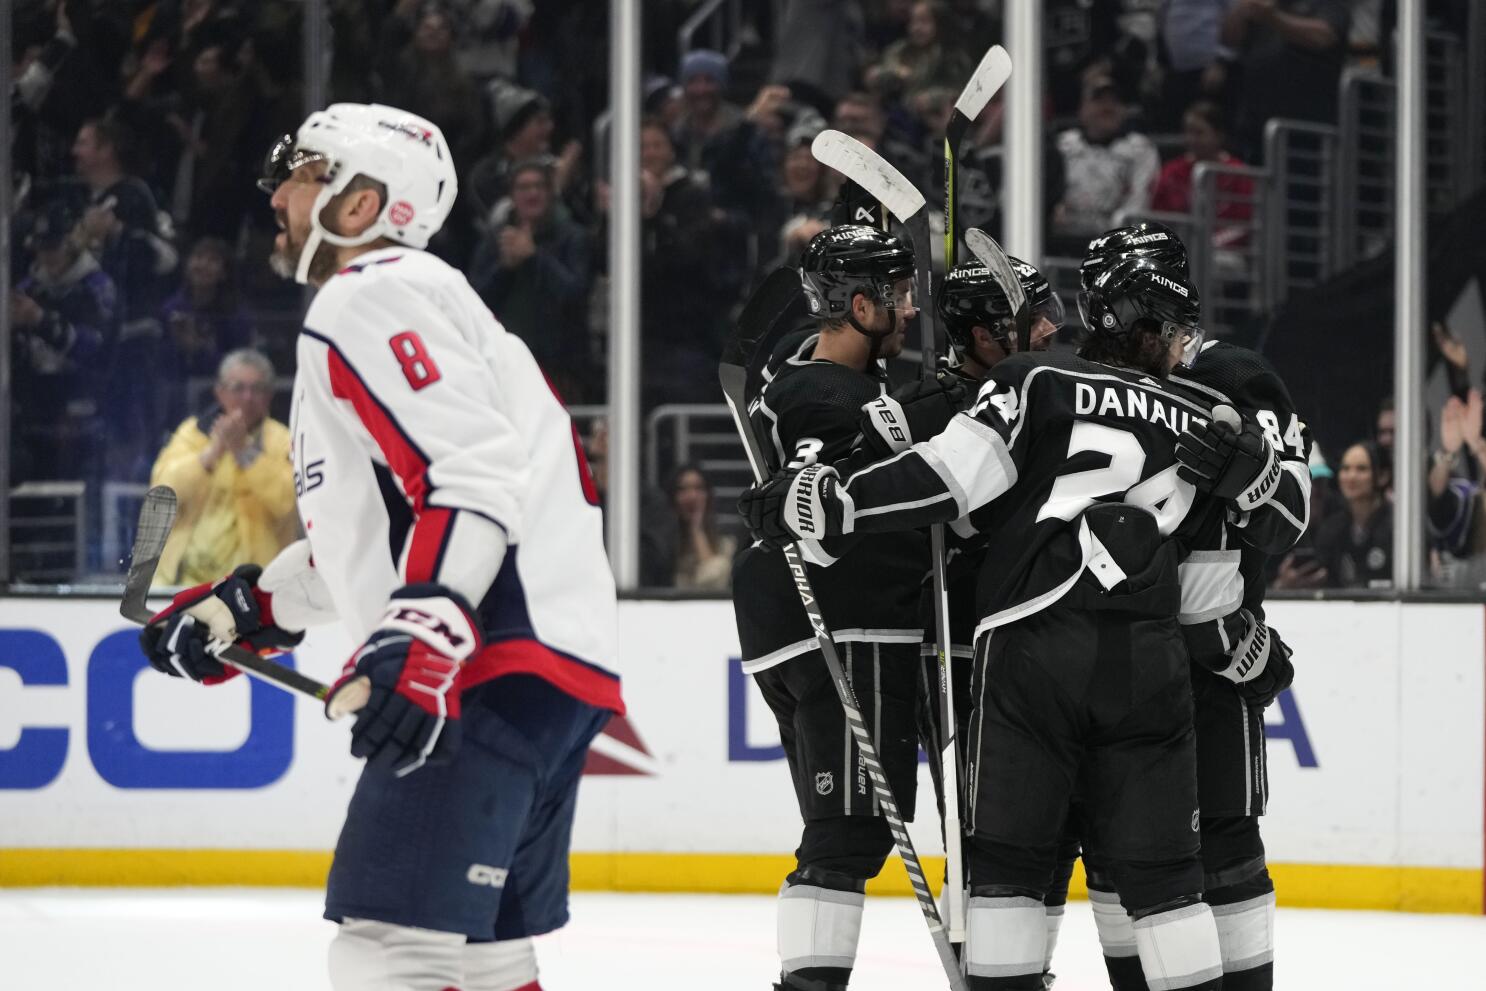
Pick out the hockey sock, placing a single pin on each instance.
(378, 956)
(818, 931)
(1054, 925)
(1246, 933)
(1179, 949)
(1117, 937)
(502, 965)
(1005, 943)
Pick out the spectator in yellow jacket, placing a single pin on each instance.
(230, 468)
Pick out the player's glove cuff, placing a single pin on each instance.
(436, 615)
(804, 505)
(1250, 656)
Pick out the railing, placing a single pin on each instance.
(1364, 217)
(1299, 220)
(48, 543)
(701, 434)
(120, 512)
(723, 20)
(1230, 203)
(1446, 134)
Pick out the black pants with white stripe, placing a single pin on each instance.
(1072, 699)
(830, 779)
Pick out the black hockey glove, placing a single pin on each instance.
(1260, 663)
(182, 639)
(794, 505)
(915, 412)
(1229, 458)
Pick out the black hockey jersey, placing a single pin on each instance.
(1224, 570)
(1049, 436)
(807, 411)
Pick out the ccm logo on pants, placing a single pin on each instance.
(482, 874)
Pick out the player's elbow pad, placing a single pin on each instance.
(300, 598)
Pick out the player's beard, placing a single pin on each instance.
(285, 261)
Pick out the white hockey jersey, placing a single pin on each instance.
(429, 447)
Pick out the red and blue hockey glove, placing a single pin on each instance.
(183, 639)
(794, 505)
(1229, 458)
(412, 663)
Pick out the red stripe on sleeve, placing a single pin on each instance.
(426, 548)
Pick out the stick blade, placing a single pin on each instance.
(989, 76)
(156, 517)
(869, 170)
(994, 258)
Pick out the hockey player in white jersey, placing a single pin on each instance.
(454, 529)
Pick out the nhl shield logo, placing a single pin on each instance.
(825, 782)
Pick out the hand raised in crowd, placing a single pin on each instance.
(767, 102)
(156, 58)
(1452, 425)
(1452, 349)
(64, 23)
(228, 436)
(567, 166)
(516, 246)
(1300, 572)
(99, 223)
(24, 311)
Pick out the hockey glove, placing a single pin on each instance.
(919, 410)
(795, 505)
(1229, 458)
(1260, 663)
(184, 638)
(412, 662)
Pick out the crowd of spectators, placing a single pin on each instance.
(140, 255)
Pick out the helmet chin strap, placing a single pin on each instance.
(320, 234)
(875, 339)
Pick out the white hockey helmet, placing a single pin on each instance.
(403, 151)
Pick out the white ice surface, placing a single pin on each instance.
(237, 939)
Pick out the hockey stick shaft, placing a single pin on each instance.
(734, 379)
(989, 76)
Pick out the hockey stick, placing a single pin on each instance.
(757, 321)
(991, 255)
(733, 377)
(988, 78)
(868, 169)
(156, 517)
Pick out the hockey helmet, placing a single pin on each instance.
(842, 261)
(1146, 239)
(401, 150)
(1136, 293)
(970, 297)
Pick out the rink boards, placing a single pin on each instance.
(109, 777)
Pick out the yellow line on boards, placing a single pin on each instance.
(1411, 889)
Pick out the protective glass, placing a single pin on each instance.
(1053, 311)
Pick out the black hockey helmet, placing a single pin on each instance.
(970, 297)
(1136, 293)
(1146, 239)
(842, 261)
